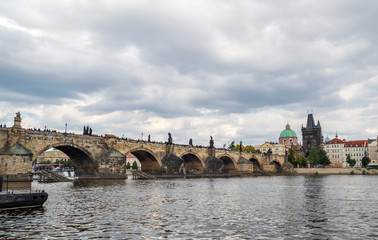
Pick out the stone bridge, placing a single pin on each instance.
(105, 157)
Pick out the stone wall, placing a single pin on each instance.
(333, 171)
(16, 164)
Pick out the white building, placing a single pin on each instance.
(274, 148)
(335, 152)
(356, 150)
(338, 151)
(372, 152)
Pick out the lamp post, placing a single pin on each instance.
(65, 129)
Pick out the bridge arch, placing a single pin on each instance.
(148, 160)
(193, 162)
(229, 164)
(83, 161)
(256, 164)
(278, 165)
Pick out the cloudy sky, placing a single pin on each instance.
(236, 70)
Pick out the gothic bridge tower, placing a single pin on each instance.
(311, 135)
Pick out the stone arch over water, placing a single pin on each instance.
(149, 162)
(277, 165)
(228, 164)
(256, 164)
(84, 164)
(193, 163)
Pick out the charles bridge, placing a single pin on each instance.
(105, 157)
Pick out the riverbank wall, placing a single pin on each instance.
(335, 171)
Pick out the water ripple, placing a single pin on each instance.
(284, 207)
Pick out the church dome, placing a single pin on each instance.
(288, 133)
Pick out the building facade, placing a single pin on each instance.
(356, 150)
(52, 155)
(274, 148)
(373, 152)
(338, 151)
(311, 135)
(335, 152)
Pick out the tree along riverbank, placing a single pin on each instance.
(335, 171)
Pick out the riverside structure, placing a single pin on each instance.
(97, 157)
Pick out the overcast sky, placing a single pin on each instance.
(236, 70)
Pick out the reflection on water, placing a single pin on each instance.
(321, 207)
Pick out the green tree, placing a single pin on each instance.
(365, 161)
(350, 161)
(323, 158)
(291, 157)
(128, 165)
(249, 148)
(301, 160)
(232, 145)
(237, 147)
(313, 157)
(316, 157)
(135, 165)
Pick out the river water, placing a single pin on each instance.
(275, 207)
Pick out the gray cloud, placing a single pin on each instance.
(192, 62)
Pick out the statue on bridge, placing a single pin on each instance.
(170, 140)
(211, 142)
(190, 142)
(17, 120)
(87, 131)
(149, 138)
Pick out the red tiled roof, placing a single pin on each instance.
(130, 155)
(357, 143)
(335, 140)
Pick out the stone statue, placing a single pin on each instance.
(149, 138)
(18, 115)
(190, 142)
(170, 140)
(211, 142)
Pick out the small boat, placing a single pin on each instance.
(67, 173)
(21, 200)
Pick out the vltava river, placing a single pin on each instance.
(283, 207)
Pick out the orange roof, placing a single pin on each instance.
(335, 140)
(357, 143)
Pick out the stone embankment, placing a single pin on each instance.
(335, 171)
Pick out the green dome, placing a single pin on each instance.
(288, 133)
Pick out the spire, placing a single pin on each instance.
(336, 134)
(310, 121)
(318, 124)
